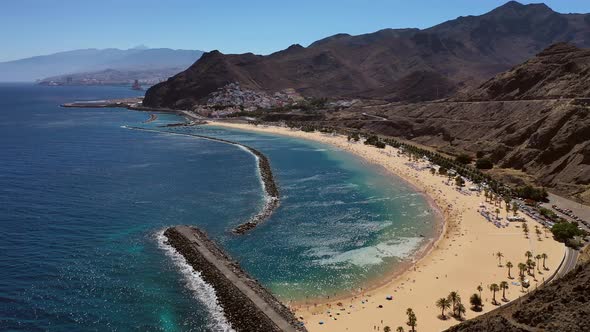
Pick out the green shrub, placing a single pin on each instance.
(565, 231)
(463, 159)
(484, 163)
(530, 192)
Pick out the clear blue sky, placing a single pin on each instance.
(34, 27)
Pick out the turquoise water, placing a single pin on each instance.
(83, 201)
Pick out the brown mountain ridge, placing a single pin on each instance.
(533, 119)
(390, 64)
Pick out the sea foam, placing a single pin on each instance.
(400, 248)
(201, 290)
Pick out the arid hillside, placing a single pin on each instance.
(535, 120)
(560, 71)
(391, 64)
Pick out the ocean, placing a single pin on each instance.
(84, 201)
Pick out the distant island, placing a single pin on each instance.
(145, 77)
(100, 66)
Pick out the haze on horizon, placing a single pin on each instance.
(40, 27)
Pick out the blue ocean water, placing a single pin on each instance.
(83, 202)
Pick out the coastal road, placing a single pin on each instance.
(375, 117)
(581, 210)
(568, 264)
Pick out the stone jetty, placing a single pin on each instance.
(248, 306)
(270, 187)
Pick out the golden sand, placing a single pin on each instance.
(460, 260)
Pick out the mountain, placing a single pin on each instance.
(532, 121)
(563, 305)
(113, 77)
(89, 60)
(391, 64)
(562, 70)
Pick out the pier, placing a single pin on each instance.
(248, 306)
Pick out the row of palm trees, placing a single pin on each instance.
(452, 301)
(494, 288)
(472, 173)
(497, 199)
(528, 266)
(531, 263)
(412, 322)
(538, 232)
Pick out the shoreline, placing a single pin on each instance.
(394, 272)
(452, 261)
(442, 219)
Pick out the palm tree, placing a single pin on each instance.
(521, 268)
(499, 255)
(412, 320)
(504, 287)
(455, 299)
(460, 311)
(533, 264)
(538, 232)
(528, 254)
(509, 266)
(515, 208)
(494, 288)
(479, 289)
(399, 329)
(476, 302)
(538, 259)
(387, 329)
(443, 304)
(544, 256)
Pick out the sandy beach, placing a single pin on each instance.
(461, 259)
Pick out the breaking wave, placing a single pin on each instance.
(201, 290)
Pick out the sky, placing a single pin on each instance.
(37, 27)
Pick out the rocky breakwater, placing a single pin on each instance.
(248, 306)
(271, 190)
(272, 194)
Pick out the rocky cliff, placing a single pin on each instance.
(560, 71)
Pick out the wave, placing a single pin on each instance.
(403, 248)
(202, 291)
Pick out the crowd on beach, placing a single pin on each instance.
(446, 261)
